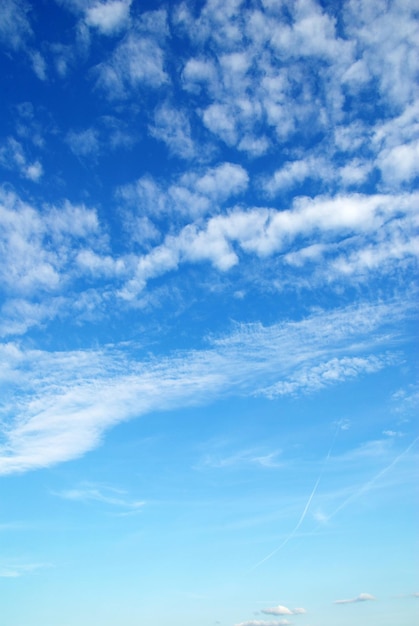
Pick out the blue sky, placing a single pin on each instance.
(208, 262)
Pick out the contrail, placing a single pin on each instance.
(304, 513)
(367, 486)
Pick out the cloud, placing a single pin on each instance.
(16, 569)
(39, 65)
(14, 157)
(245, 41)
(137, 61)
(20, 314)
(108, 17)
(389, 50)
(331, 372)
(257, 622)
(294, 172)
(363, 597)
(244, 457)
(15, 27)
(265, 232)
(59, 404)
(38, 247)
(98, 493)
(400, 163)
(191, 195)
(172, 126)
(283, 610)
(83, 143)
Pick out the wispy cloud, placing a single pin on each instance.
(88, 492)
(258, 622)
(13, 156)
(83, 143)
(15, 27)
(305, 510)
(64, 402)
(331, 372)
(283, 610)
(363, 597)
(368, 485)
(16, 569)
(243, 457)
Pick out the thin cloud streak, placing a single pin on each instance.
(363, 597)
(370, 484)
(304, 513)
(77, 396)
(93, 493)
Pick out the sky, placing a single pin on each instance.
(208, 330)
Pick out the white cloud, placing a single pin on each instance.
(330, 372)
(138, 60)
(355, 172)
(172, 126)
(294, 172)
(265, 232)
(283, 610)
(39, 65)
(20, 314)
(387, 40)
(220, 119)
(258, 622)
(99, 264)
(195, 193)
(88, 492)
(15, 28)
(363, 597)
(34, 171)
(278, 610)
(60, 404)
(17, 569)
(39, 246)
(222, 181)
(14, 157)
(233, 53)
(108, 17)
(254, 145)
(400, 163)
(198, 72)
(83, 143)
(244, 457)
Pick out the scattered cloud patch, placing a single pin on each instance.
(14, 157)
(83, 143)
(15, 26)
(108, 17)
(137, 61)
